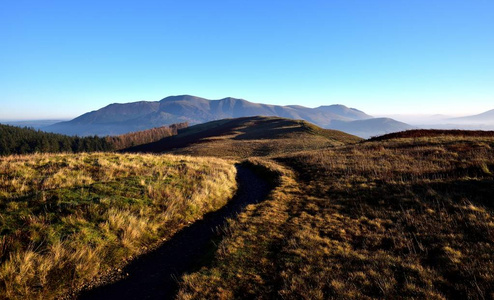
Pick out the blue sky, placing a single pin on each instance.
(59, 59)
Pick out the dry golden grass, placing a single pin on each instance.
(65, 219)
(407, 218)
(250, 136)
(242, 267)
(231, 148)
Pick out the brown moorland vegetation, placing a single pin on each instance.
(247, 137)
(429, 133)
(66, 218)
(406, 215)
(399, 218)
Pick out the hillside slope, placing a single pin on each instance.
(434, 133)
(394, 219)
(249, 136)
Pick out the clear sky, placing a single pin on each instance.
(59, 59)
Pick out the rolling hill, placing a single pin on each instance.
(248, 136)
(117, 119)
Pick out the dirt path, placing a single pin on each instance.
(154, 275)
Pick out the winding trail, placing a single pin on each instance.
(154, 275)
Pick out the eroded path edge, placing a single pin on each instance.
(154, 275)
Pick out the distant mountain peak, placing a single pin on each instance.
(181, 98)
(345, 111)
(339, 106)
(489, 113)
(231, 98)
(335, 105)
(485, 117)
(120, 118)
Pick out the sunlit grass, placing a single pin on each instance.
(249, 137)
(65, 219)
(408, 218)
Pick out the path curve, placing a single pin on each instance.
(154, 275)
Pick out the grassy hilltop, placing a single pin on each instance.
(66, 218)
(247, 137)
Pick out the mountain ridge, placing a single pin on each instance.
(120, 118)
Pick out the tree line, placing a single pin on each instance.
(17, 140)
(132, 139)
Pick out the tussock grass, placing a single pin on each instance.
(401, 218)
(66, 219)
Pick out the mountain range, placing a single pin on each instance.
(117, 118)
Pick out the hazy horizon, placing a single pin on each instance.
(61, 59)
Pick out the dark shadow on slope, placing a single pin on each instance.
(153, 275)
(189, 136)
(241, 129)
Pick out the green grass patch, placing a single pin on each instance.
(66, 219)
